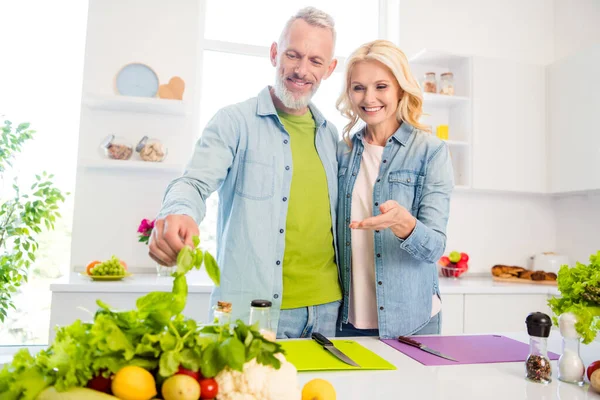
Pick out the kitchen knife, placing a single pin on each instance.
(330, 347)
(414, 343)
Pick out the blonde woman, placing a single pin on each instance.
(395, 182)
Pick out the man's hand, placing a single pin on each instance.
(392, 216)
(171, 234)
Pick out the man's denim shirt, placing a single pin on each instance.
(244, 153)
(416, 171)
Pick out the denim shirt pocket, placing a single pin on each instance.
(256, 178)
(405, 188)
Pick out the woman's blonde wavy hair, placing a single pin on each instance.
(410, 107)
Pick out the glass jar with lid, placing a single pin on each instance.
(430, 83)
(260, 314)
(222, 313)
(151, 149)
(447, 84)
(116, 148)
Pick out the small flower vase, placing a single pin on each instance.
(161, 270)
(570, 365)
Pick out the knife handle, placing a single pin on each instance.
(322, 340)
(408, 341)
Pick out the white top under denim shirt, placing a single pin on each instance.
(243, 154)
(416, 171)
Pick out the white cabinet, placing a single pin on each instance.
(490, 313)
(573, 107)
(509, 135)
(452, 314)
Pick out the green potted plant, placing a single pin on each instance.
(23, 216)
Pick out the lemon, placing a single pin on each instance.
(133, 383)
(318, 389)
(181, 387)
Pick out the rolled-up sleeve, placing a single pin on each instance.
(427, 241)
(208, 167)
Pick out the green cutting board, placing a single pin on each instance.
(308, 355)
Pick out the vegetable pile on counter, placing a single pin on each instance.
(152, 351)
(580, 295)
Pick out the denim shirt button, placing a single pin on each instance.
(347, 220)
(378, 255)
(377, 231)
(380, 283)
(381, 308)
(285, 141)
(384, 161)
(348, 195)
(284, 199)
(281, 231)
(275, 296)
(376, 203)
(347, 243)
(278, 262)
(378, 180)
(354, 174)
(287, 167)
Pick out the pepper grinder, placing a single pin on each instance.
(570, 365)
(537, 365)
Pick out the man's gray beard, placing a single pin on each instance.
(287, 97)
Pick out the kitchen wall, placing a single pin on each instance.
(576, 26)
(508, 228)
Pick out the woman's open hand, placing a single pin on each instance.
(393, 216)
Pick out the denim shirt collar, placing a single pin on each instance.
(402, 134)
(266, 107)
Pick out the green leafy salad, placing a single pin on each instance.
(154, 336)
(580, 295)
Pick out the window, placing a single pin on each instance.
(41, 78)
(236, 66)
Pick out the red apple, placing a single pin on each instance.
(591, 368)
(464, 257)
(184, 371)
(444, 261)
(462, 265)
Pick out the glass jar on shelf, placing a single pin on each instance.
(260, 314)
(430, 83)
(151, 149)
(116, 148)
(447, 84)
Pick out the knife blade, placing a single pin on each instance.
(330, 347)
(414, 343)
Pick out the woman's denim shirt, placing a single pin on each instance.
(416, 171)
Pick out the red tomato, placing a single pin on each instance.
(184, 371)
(208, 389)
(591, 368)
(444, 261)
(100, 384)
(464, 257)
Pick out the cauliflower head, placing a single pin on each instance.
(260, 382)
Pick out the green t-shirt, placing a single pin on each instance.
(310, 275)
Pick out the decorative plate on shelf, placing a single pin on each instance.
(106, 277)
(137, 79)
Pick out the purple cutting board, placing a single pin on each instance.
(472, 349)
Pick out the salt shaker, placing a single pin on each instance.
(222, 313)
(537, 365)
(570, 365)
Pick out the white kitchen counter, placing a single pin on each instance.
(199, 283)
(414, 381)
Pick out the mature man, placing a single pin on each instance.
(273, 161)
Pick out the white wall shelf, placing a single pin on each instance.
(150, 105)
(442, 100)
(130, 165)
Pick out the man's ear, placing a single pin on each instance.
(273, 54)
(331, 68)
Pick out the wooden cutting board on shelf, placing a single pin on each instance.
(529, 281)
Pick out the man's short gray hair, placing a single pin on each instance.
(312, 16)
